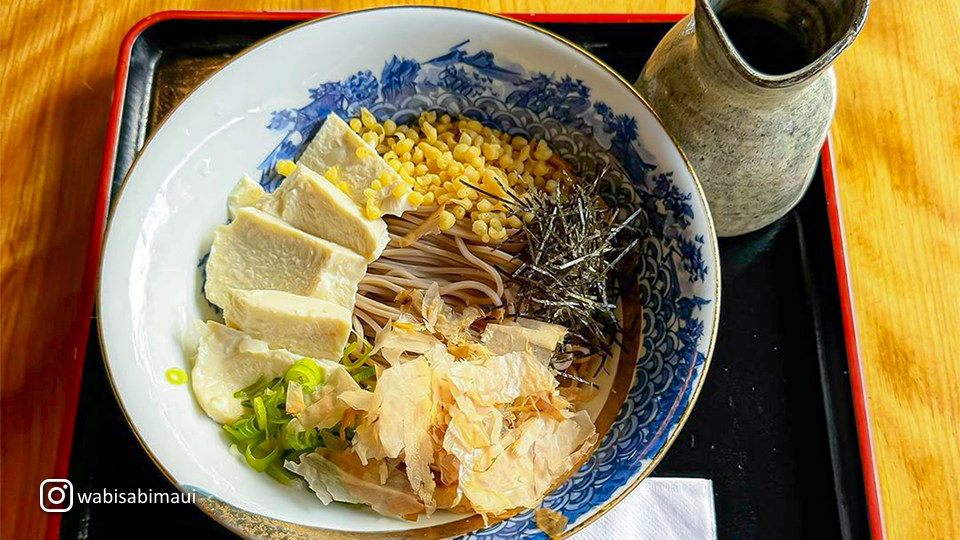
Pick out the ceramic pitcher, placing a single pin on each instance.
(747, 89)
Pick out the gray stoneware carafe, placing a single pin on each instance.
(747, 89)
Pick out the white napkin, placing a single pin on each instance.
(660, 509)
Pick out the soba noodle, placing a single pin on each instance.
(468, 272)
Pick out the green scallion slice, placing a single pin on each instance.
(260, 464)
(253, 389)
(365, 374)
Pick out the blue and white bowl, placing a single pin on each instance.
(263, 106)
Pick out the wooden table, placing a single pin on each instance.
(897, 147)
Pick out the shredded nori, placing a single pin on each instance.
(573, 243)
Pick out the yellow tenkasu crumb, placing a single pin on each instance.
(366, 118)
(332, 174)
(415, 199)
(285, 167)
(551, 522)
(447, 220)
(461, 162)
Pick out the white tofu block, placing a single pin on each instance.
(245, 193)
(227, 361)
(336, 145)
(300, 324)
(312, 204)
(259, 251)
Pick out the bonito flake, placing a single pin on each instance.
(501, 379)
(525, 335)
(399, 421)
(473, 435)
(340, 476)
(472, 429)
(519, 477)
(403, 338)
(325, 407)
(440, 318)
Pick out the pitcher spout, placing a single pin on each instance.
(776, 43)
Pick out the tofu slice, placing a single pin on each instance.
(229, 360)
(312, 204)
(336, 145)
(245, 193)
(300, 324)
(259, 251)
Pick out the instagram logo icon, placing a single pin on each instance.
(56, 495)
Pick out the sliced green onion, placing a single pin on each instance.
(353, 365)
(306, 372)
(360, 361)
(264, 431)
(365, 374)
(244, 427)
(260, 410)
(175, 376)
(254, 388)
(275, 402)
(277, 471)
(347, 351)
(260, 464)
(302, 440)
(290, 439)
(254, 442)
(234, 433)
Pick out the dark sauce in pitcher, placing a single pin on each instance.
(765, 45)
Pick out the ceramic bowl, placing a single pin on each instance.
(262, 106)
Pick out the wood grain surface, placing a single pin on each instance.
(897, 153)
(897, 149)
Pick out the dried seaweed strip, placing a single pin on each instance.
(573, 243)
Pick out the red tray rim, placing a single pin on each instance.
(91, 266)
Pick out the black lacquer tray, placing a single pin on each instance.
(774, 427)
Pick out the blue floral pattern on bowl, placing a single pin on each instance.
(559, 110)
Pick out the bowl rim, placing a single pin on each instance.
(598, 512)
